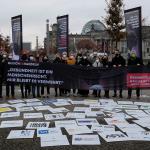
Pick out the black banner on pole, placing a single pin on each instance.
(62, 33)
(16, 23)
(133, 29)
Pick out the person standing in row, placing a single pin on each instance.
(134, 61)
(118, 61)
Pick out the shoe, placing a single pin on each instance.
(56, 95)
(138, 97)
(115, 96)
(120, 96)
(68, 94)
(129, 97)
(75, 95)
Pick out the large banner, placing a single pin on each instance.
(133, 29)
(62, 33)
(66, 76)
(16, 23)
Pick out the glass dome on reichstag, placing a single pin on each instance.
(95, 25)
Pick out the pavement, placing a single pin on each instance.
(34, 144)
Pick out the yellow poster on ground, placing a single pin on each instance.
(5, 109)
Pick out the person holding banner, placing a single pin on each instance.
(1, 76)
(118, 61)
(10, 85)
(134, 61)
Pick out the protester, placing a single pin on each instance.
(85, 63)
(71, 61)
(97, 63)
(134, 61)
(45, 60)
(64, 59)
(9, 85)
(106, 64)
(57, 60)
(78, 57)
(24, 87)
(1, 76)
(118, 61)
(37, 60)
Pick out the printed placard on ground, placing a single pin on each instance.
(81, 109)
(24, 109)
(34, 104)
(54, 140)
(87, 121)
(72, 130)
(21, 134)
(31, 100)
(15, 101)
(5, 109)
(40, 108)
(54, 116)
(103, 128)
(74, 115)
(11, 124)
(35, 125)
(61, 103)
(58, 110)
(85, 140)
(65, 123)
(32, 115)
(113, 136)
(41, 132)
(10, 114)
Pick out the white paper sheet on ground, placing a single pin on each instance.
(11, 124)
(139, 136)
(137, 113)
(58, 110)
(85, 140)
(4, 105)
(87, 121)
(41, 132)
(114, 121)
(125, 102)
(54, 140)
(103, 128)
(65, 123)
(135, 107)
(91, 114)
(72, 130)
(39, 108)
(61, 104)
(145, 122)
(35, 104)
(24, 109)
(81, 109)
(54, 116)
(95, 106)
(113, 136)
(5, 109)
(32, 115)
(90, 102)
(129, 128)
(145, 107)
(120, 115)
(31, 100)
(74, 115)
(36, 125)
(63, 100)
(15, 101)
(21, 134)
(107, 102)
(141, 103)
(10, 114)
(77, 102)
(18, 105)
(108, 107)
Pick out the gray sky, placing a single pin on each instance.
(35, 13)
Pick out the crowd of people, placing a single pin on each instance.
(81, 59)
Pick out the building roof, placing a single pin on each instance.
(93, 25)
